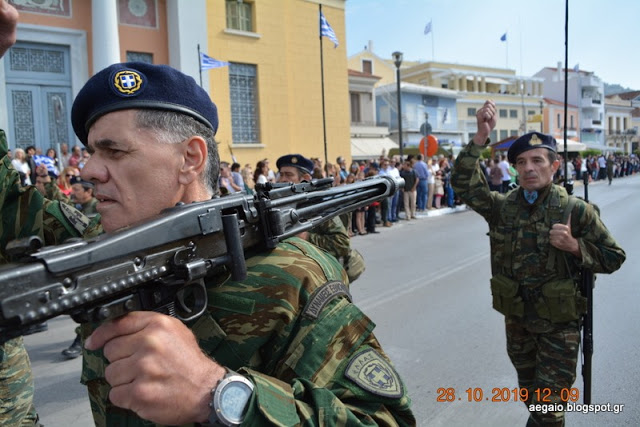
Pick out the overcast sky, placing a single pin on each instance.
(603, 34)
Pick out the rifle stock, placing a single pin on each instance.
(161, 264)
(587, 284)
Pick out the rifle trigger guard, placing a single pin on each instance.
(197, 294)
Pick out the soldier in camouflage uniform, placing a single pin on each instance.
(289, 328)
(540, 237)
(25, 212)
(332, 235)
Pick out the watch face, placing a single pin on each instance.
(233, 400)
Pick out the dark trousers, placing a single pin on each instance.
(370, 220)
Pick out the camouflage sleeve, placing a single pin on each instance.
(54, 193)
(24, 212)
(600, 251)
(332, 237)
(291, 328)
(470, 184)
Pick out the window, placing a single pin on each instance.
(493, 135)
(355, 107)
(243, 90)
(239, 15)
(367, 66)
(513, 114)
(559, 122)
(503, 113)
(504, 134)
(147, 58)
(530, 113)
(571, 126)
(514, 132)
(471, 112)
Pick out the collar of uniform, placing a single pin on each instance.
(543, 193)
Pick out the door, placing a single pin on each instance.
(39, 95)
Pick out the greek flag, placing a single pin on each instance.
(427, 28)
(503, 38)
(207, 62)
(327, 31)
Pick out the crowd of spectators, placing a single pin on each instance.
(431, 192)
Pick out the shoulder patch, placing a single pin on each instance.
(75, 217)
(373, 373)
(321, 296)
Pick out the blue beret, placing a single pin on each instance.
(79, 180)
(139, 85)
(297, 161)
(528, 142)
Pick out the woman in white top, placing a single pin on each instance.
(261, 173)
(19, 163)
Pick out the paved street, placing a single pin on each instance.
(427, 288)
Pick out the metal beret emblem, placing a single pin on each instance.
(294, 160)
(127, 82)
(535, 140)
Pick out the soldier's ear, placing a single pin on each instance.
(194, 159)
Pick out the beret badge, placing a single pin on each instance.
(127, 82)
(535, 140)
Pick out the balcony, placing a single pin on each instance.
(590, 102)
(591, 123)
(590, 81)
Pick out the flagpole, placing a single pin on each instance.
(324, 124)
(507, 51)
(200, 64)
(433, 55)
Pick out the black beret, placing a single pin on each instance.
(528, 142)
(140, 86)
(297, 161)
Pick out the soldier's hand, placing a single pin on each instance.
(486, 121)
(8, 23)
(156, 368)
(561, 238)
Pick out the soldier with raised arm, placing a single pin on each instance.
(540, 239)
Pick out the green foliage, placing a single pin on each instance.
(486, 154)
(591, 152)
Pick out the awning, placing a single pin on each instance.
(571, 146)
(494, 80)
(370, 148)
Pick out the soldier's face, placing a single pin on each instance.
(291, 174)
(135, 176)
(535, 170)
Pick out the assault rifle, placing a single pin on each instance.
(161, 264)
(586, 288)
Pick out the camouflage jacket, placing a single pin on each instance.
(25, 212)
(291, 328)
(529, 227)
(332, 237)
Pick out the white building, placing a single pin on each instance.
(584, 90)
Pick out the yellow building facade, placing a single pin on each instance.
(284, 47)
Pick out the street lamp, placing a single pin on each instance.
(397, 59)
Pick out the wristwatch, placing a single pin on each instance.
(229, 399)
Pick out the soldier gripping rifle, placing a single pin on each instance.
(161, 264)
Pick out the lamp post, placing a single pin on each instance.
(397, 59)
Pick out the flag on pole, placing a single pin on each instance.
(327, 31)
(207, 62)
(576, 68)
(503, 38)
(427, 29)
